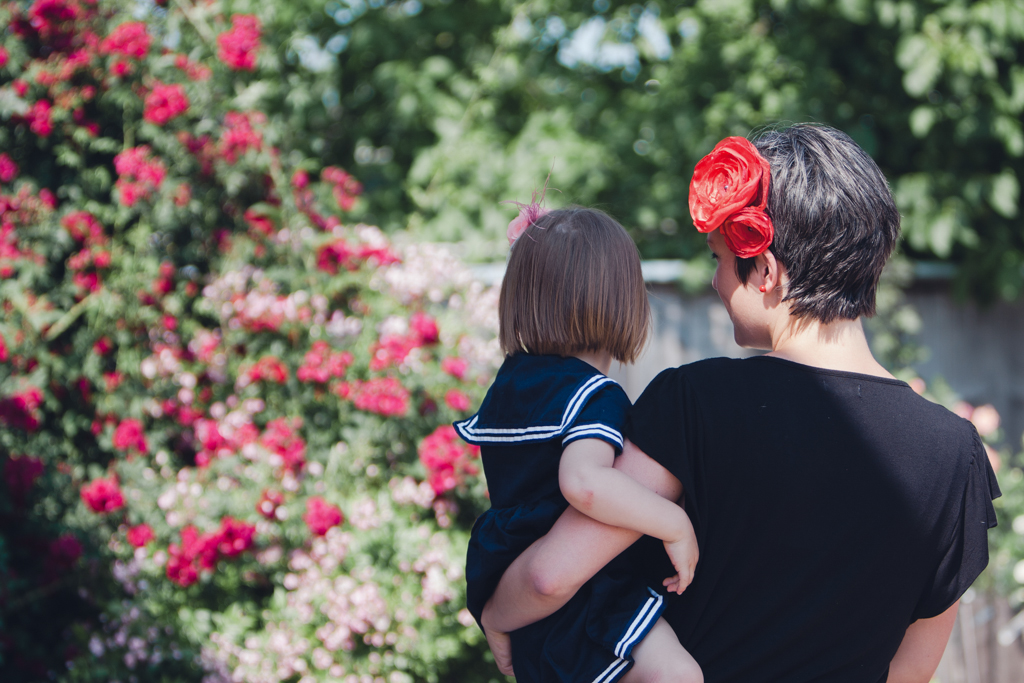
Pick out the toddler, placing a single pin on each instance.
(572, 300)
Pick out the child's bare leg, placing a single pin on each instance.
(659, 658)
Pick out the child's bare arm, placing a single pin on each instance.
(591, 485)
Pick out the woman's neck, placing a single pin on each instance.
(839, 345)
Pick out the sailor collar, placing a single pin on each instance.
(534, 398)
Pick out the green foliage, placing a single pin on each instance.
(448, 111)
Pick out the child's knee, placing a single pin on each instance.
(681, 675)
(688, 672)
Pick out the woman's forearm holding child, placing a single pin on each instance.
(591, 485)
(550, 571)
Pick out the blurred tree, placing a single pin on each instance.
(450, 108)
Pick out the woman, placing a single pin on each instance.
(839, 516)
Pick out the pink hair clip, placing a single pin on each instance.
(528, 213)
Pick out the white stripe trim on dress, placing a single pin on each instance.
(640, 623)
(612, 671)
(594, 425)
(595, 428)
(641, 620)
(494, 434)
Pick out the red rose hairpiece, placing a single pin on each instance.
(528, 213)
(729, 190)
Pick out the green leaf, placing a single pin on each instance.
(1005, 193)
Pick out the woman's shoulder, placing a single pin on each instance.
(713, 369)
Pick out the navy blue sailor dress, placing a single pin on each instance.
(537, 406)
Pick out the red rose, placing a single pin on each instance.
(456, 367)
(21, 410)
(748, 232)
(382, 395)
(200, 548)
(103, 346)
(425, 328)
(196, 552)
(281, 438)
(235, 537)
(129, 39)
(732, 177)
(262, 225)
(237, 46)
(8, 169)
(180, 569)
(239, 135)
(130, 435)
(140, 535)
(457, 400)
(269, 368)
(269, 502)
(300, 179)
(321, 515)
(164, 103)
(335, 254)
(39, 118)
(446, 458)
(102, 495)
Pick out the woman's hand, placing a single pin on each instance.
(501, 648)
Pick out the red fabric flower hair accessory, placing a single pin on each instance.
(729, 190)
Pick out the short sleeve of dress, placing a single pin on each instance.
(603, 417)
(967, 554)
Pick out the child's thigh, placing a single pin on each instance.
(659, 658)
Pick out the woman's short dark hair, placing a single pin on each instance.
(573, 284)
(835, 220)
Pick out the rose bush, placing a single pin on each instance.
(225, 404)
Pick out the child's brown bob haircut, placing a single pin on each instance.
(573, 284)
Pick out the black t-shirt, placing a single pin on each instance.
(832, 509)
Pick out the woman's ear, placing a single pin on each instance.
(767, 272)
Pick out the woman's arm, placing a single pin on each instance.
(921, 649)
(550, 571)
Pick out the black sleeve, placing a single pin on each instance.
(967, 553)
(603, 417)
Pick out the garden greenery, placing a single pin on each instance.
(447, 112)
